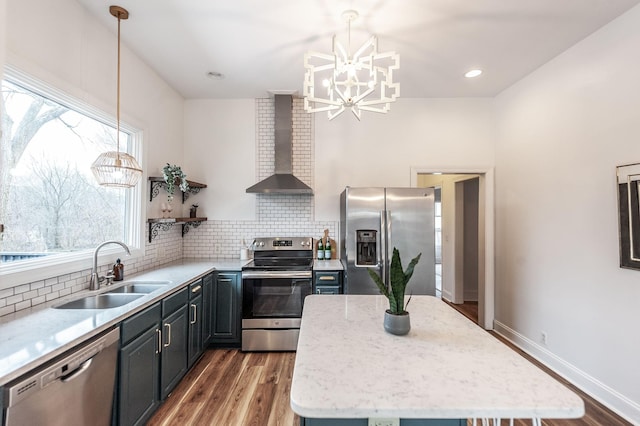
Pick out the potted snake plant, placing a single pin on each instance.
(396, 318)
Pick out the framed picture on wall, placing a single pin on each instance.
(628, 179)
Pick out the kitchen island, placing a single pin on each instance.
(447, 369)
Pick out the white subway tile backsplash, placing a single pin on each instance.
(7, 310)
(52, 296)
(23, 305)
(36, 285)
(38, 300)
(14, 299)
(21, 289)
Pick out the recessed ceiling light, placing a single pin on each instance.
(473, 73)
(215, 75)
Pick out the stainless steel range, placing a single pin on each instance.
(274, 286)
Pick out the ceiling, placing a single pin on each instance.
(259, 44)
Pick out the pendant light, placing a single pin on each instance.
(115, 168)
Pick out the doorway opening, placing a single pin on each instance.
(438, 239)
(464, 239)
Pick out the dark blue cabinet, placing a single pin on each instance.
(139, 373)
(226, 314)
(327, 282)
(365, 422)
(207, 308)
(196, 320)
(173, 357)
(160, 344)
(153, 357)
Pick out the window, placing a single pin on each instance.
(50, 204)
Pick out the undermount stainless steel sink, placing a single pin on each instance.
(140, 287)
(100, 301)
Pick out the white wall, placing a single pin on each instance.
(380, 150)
(219, 146)
(563, 130)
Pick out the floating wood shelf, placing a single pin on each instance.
(164, 224)
(158, 182)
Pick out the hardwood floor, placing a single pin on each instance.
(233, 388)
(468, 309)
(229, 387)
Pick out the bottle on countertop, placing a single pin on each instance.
(118, 271)
(320, 249)
(327, 249)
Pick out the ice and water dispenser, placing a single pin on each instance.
(366, 248)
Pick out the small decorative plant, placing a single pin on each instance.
(399, 281)
(173, 174)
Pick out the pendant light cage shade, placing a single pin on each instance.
(116, 169)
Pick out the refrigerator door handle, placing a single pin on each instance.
(382, 253)
(388, 247)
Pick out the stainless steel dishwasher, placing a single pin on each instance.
(74, 389)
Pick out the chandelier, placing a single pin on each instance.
(115, 168)
(362, 81)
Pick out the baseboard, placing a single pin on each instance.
(607, 396)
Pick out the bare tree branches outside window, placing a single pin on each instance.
(49, 200)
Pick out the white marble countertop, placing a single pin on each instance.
(347, 366)
(327, 265)
(32, 337)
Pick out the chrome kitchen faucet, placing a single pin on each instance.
(95, 280)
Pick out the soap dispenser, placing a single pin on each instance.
(118, 271)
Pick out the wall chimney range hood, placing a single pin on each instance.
(283, 181)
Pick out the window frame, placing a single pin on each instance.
(27, 271)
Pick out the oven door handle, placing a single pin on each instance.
(276, 274)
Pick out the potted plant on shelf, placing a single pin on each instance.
(174, 176)
(396, 318)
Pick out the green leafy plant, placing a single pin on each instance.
(172, 174)
(399, 280)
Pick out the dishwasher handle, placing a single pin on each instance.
(77, 372)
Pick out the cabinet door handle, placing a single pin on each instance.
(159, 335)
(224, 280)
(194, 310)
(168, 335)
(326, 278)
(196, 289)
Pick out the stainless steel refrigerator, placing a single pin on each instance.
(375, 220)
